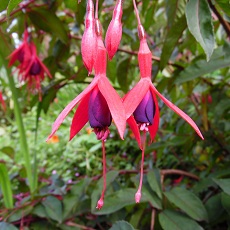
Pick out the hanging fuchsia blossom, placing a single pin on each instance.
(114, 32)
(141, 103)
(89, 38)
(31, 69)
(99, 103)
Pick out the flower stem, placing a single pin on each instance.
(100, 202)
(22, 134)
(138, 193)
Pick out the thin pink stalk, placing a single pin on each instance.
(137, 13)
(100, 202)
(138, 193)
(96, 11)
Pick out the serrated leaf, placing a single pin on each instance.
(48, 21)
(224, 184)
(188, 202)
(171, 220)
(53, 208)
(201, 67)
(199, 22)
(122, 225)
(12, 4)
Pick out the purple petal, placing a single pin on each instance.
(99, 114)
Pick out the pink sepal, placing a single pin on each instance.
(135, 95)
(114, 103)
(178, 111)
(80, 117)
(70, 106)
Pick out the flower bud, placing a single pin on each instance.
(89, 41)
(145, 111)
(114, 32)
(99, 114)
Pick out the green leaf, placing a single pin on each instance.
(225, 200)
(12, 4)
(5, 185)
(117, 201)
(122, 225)
(9, 151)
(3, 5)
(224, 184)
(214, 208)
(53, 208)
(171, 40)
(174, 10)
(201, 67)
(199, 22)
(171, 220)
(122, 73)
(188, 202)
(110, 177)
(224, 5)
(153, 178)
(49, 22)
(40, 211)
(7, 226)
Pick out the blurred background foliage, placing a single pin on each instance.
(186, 184)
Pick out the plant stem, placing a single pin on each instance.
(22, 134)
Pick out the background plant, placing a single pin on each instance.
(186, 179)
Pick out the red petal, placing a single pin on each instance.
(179, 112)
(44, 67)
(134, 97)
(114, 103)
(80, 117)
(70, 106)
(135, 129)
(154, 127)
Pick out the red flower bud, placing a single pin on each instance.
(89, 39)
(114, 32)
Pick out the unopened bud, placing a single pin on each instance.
(114, 32)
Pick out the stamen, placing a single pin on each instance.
(138, 193)
(102, 133)
(100, 202)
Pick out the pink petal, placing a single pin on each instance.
(154, 127)
(114, 103)
(70, 106)
(135, 129)
(178, 111)
(134, 97)
(80, 117)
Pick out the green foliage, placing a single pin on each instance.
(56, 185)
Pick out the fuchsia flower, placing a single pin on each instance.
(89, 39)
(99, 103)
(114, 32)
(31, 69)
(141, 102)
(2, 102)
